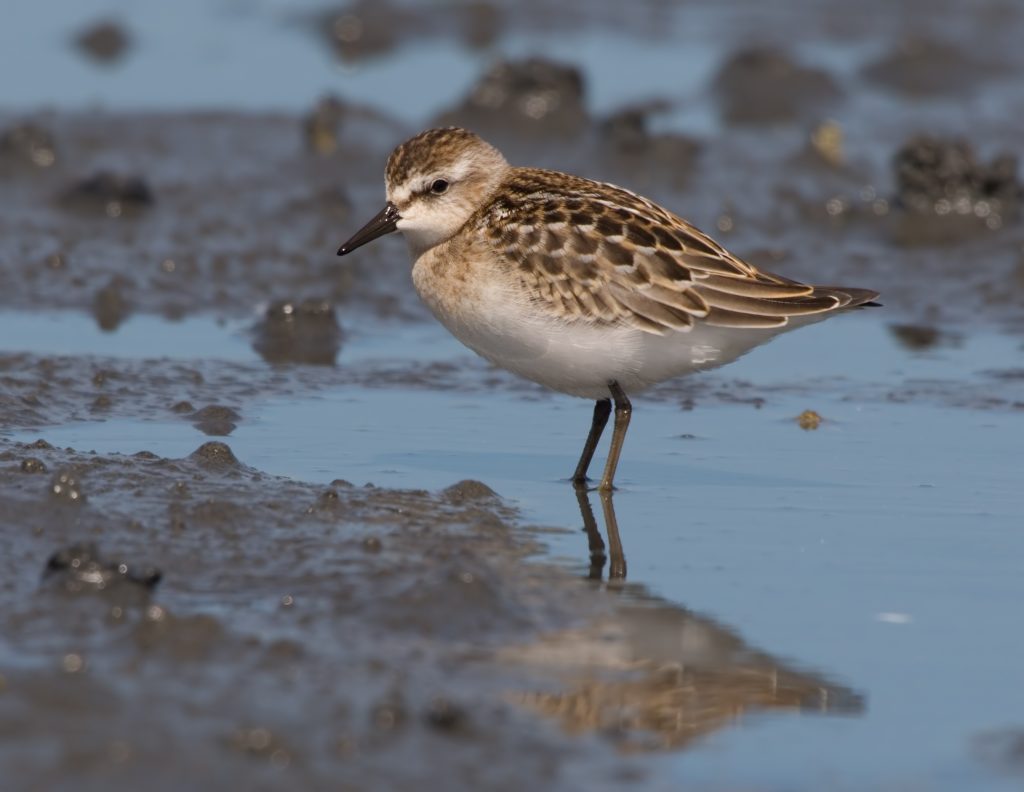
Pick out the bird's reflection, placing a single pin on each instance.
(598, 556)
(653, 675)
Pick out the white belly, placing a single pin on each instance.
(579, 358)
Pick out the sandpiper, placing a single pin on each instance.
(581, 286)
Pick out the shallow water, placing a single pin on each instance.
(882, 548)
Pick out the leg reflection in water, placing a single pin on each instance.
(598, 558)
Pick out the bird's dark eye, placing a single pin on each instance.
(439, 186)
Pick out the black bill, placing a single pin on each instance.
(385, 222)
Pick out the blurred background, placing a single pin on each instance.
(830, 525)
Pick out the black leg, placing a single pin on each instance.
(602, 409)
(623, 411)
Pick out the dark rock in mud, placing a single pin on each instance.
(28, 143)
(110, 305)
(80, 568)
(216, 420)
(762, 85)
(105, 42)
(928, 67)
(109, 193)
(216, 456)
(532, 96)
(628, 144)
(299, 332)
(946, 192)
(322, 126)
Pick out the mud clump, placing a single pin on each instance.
(915, 337)
(766, 86)
(299, 332)
(103, 42)
(532, 96)
(216, 456)
(468, 490)
(946, 192)
(108, 193)
(80, 569)
(927, 67)
(110, 306)
(365, 29)
(216, 420)
(28, 143)
(932, 172)
(33, 465)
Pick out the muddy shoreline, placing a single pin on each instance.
(278, 632)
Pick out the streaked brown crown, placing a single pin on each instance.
(429, 151)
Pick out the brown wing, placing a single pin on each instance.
(595, 252)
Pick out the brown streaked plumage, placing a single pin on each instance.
(608, 255)
(581, 286)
